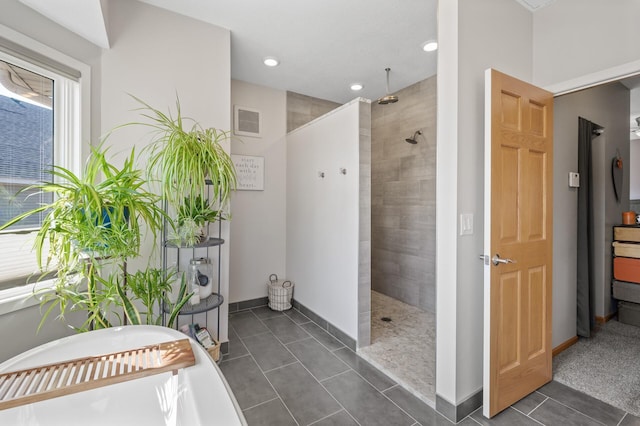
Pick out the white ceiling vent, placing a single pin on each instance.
(247, 121)
(534, 5)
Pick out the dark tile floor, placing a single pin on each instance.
(285, 370)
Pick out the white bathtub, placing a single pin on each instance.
(197, 395)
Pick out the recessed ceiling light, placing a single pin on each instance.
(270, 61)
(356, 86)
(430, 46)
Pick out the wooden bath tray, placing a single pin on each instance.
(81, 374)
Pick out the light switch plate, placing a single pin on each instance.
(574, 180)
(466, 224)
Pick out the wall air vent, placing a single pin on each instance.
(247, 121)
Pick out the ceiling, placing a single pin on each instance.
(323, 46)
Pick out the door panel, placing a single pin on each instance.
(518, 228)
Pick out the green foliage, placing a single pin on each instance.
(94, 216)
(197, 209)
(194, 215)
(152, 288)
(96, 219)
(183, 158)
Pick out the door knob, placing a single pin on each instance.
(497, 260)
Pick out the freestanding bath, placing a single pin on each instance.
(197, 395)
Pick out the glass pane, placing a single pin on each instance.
(26, 141)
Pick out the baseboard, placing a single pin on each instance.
(248, 304)
(326, 325)
(564, 345)
(455, 413)
(602, 320)
(321, 322)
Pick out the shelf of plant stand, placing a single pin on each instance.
(213, 301)
(211, 242)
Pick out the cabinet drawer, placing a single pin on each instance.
(626, 249)
(629, 313)
(626, 233)
(626, 269)
(623, 290)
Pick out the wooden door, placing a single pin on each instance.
(518, 240)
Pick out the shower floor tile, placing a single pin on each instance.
(405, 347)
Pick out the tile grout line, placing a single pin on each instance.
(527, 416)
(322, 385)
(371, 365)
(326, 417)
(623, 417)
(468, 417)
(262, 403)
(381, 392)
(536, 407)
(317, 381)
(278, 368)
(578, 411)
(274, 389)
(280, 397)
(303, 366)
(267, 379)
(334, 398)
(285, 316)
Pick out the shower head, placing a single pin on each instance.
(413, 140)
(388, 98)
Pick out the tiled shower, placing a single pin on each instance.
(403, 196)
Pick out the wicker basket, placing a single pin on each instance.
(280, 293)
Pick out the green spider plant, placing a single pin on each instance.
(95, 218)
(193, 216)
(183, 158)
(151, 288)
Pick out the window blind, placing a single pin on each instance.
(18, 260)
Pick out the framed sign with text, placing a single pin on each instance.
(249, 171)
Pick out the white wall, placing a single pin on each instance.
(473, 36)
(322, 216)
(155, 55)
(258, 225)
(573, 38)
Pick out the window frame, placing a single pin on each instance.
(72, 126)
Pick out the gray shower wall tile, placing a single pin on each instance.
(302, 109)
(401, 241)
(385, 170)
(385, 218)
(387, 266)
(416, 167)
(364, 328)
(415, 267)
(403, 194)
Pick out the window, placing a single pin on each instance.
(38, 122)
